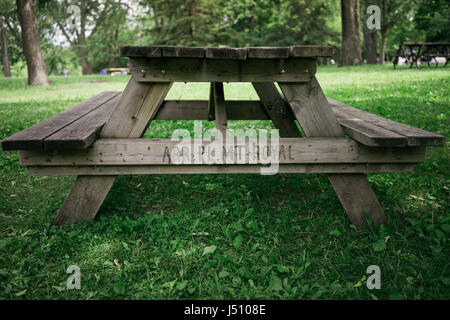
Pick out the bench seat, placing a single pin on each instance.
(79, 126)
(74, 128)
(372, 130)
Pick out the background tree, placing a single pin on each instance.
(11, 52)
(5, 55)
(240, 22)
(370, 36)
(184, 22)
(351, 43)
(37, 72)
(433, 18)
(95, 17)
(393, 13)
(91, 43)
(296, 22)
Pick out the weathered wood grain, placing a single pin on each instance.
(211, 107)
(297, 51)
(220, 108)
(138, 104)
(226, 53)
(310, 51)
(369, 134)
(84, 199)
(202, 109)
(141, 51)
(32, 138)
(159, 151)
(218, 169)
(83, 132)
(220, 70)
(414, 136)
(311, 109)
(358, 198)
(276, 109)
(268, 52)
(185, 52)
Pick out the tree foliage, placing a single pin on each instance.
(93, 41)
(433, 18)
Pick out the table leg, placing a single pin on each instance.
(316, 118)
(276, 109)
(218, 98)
(137, 106)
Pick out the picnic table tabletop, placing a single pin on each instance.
(297, 51)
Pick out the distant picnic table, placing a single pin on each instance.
(415, 52)
(115, 71)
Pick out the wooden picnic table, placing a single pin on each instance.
(418, 51)
(101, 137)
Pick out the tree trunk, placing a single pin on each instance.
(370, 45)
(351, 42)
(113, 48)
(82, 54)
(383, 46)
(37, 72)
(86, 66)
(6, 68)
(112, 61)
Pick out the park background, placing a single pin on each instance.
(223, 237)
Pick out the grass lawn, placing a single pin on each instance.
(235, 236)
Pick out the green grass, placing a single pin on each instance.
(275, 237)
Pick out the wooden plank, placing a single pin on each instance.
(311, 108)
(201, 109)
(32, 137)
(297, 51)
(211, 106)
(83, 132)
(130, 117)
(268, 52)
(84, 199)
(220, 108)
(310, 51)
(358, 198)
(414, 136)
(226, 53)
(183, 110)
(218, 169)
(185, 52)
(371, 135)
(245, 110)
(219, 70)
(159, 151)
(141, 51)
(138, 104)
(276, 109)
